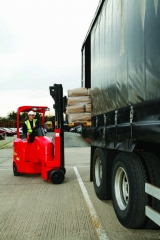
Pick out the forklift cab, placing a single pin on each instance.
(37, 109)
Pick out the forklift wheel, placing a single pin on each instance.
(56, 176)
(63, 170)
(15, 170)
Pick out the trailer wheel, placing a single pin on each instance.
(15, 170)
(99, 173)
(128, 190)
(152, 165)
(56, 176)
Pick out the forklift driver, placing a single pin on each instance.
(29, 126)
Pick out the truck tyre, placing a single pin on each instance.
(56, 176)
(99, 173)
(152, 166)
(15, 170)
(128, 190)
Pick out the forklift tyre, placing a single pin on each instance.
(63, 170)
(15, 170)
(56, 176)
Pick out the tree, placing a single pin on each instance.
(23, 116)
(12, 116)
(38, 116)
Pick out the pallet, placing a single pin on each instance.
(87, 124)
(84, 123)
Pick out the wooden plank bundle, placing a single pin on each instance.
(71, 101)
(77, 92)
(78, 108)
(79, 117)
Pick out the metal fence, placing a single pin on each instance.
(9, 124)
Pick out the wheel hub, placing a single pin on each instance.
(98, 172)
(121, 188)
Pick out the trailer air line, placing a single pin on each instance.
(96, 222)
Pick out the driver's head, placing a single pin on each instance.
(31, 115)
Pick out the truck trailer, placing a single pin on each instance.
(121, 65)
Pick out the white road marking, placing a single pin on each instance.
(96, 222)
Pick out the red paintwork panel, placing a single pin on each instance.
(41, 156)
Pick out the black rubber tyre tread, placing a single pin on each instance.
(63, 169)
(111, 155)
(152, 165)
(15, 170)
(134, 214)
(56, 176)
(100, 191)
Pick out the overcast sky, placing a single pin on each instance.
(40, 44)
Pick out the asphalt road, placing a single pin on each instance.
(33, 209)
(74, 140)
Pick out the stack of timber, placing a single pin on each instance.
(78, 110)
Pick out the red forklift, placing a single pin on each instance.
(42, 156)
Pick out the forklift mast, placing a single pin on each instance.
(57, 94)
